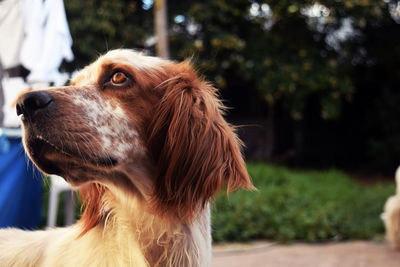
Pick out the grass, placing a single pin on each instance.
(300, 205)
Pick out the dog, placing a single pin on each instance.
(391, 215)
(145, 142)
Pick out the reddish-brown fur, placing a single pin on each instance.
(91, 206)
(188, 129)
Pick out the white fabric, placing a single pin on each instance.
(11, 32)
(35, 34)
(48, 40)
(12, 87)
(35, 21)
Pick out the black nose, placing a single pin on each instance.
(31, 102)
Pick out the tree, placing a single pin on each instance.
(97, 26)
(334, 59)
(293, 52)
(161, 28)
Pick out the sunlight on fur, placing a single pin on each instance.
(391, 215)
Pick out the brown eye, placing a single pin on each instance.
(118, 78)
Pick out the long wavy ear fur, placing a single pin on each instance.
(196, 151)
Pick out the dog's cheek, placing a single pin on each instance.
(118, 133)
(114, 131)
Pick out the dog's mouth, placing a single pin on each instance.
(41, 152)
(60, 158)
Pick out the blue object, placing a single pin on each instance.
(20, 189)
(4, 143)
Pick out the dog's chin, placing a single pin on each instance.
(53, 160)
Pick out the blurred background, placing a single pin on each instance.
(313, 85)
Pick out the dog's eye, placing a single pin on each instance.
(118, 78)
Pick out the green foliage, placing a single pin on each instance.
(97, 26)
(279, 49)
(300, 205)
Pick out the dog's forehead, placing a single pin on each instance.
(137, 60)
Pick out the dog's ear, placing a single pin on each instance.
(195, 150)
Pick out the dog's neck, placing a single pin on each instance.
(127, 222)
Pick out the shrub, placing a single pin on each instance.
(300, 205)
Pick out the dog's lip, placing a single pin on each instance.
(45, 140)
(38, 148)
(44, 149)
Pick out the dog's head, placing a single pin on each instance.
(142, 124)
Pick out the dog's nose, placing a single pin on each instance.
(31, 102)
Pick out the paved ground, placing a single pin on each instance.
(346, 254)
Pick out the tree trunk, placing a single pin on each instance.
(161, 28)
(299, 140)
(270, 132)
